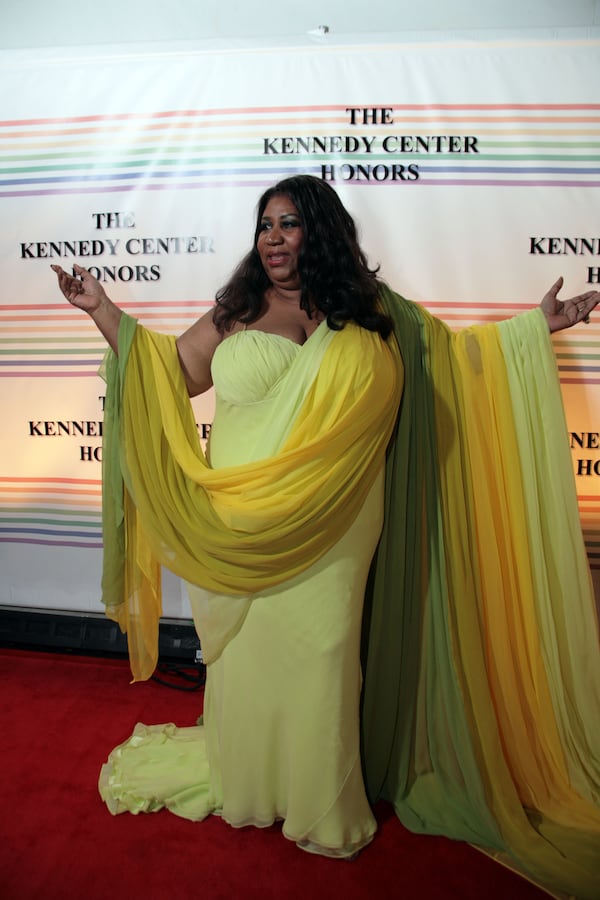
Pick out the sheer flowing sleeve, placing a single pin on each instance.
(481, 704)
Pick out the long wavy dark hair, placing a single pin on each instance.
(335, 277)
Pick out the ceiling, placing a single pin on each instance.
(67, 23)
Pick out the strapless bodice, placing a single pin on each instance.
(248, 366)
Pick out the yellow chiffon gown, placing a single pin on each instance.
(280, 732)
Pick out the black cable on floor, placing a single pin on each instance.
(194, 681)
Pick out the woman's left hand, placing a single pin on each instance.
(565, 313)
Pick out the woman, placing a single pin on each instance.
(276, 537)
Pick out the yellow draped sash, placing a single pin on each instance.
(243, 528)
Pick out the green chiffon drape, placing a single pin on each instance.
(481, 711)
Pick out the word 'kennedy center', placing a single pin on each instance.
(391, 143)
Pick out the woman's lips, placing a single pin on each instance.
(277, 259)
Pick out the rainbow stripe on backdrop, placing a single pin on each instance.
(54, 341)
(524, 145)
(53, 512)
(589, 513)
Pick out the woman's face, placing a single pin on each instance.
(279, 241)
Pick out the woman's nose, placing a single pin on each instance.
(274, 236)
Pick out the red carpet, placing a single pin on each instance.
(61, 716)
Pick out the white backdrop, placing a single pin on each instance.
(148, 166)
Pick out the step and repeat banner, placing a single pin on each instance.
(471, 168)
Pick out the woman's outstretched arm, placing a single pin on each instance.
(195, 347)
(86, 293)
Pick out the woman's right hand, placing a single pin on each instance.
(86, 293)
(83, 291)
